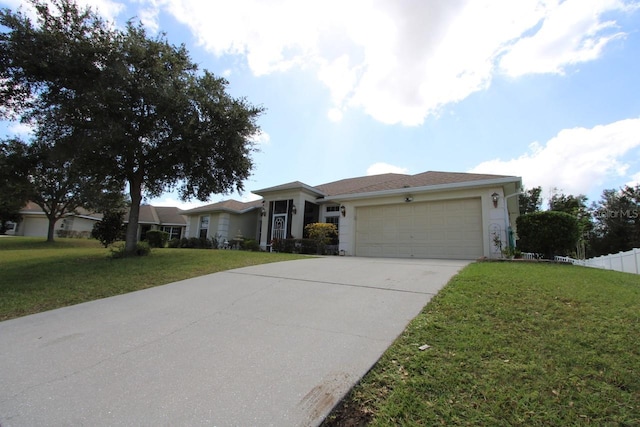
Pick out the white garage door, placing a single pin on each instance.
(444, 229)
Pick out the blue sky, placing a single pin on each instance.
(545, 90)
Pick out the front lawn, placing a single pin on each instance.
(512, 344)
(36, 276)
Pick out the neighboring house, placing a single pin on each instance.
(163, 218)
(225, 221)
(34, 222)
(427, 215)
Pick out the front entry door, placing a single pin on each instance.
(279, 226)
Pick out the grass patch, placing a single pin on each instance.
(512, 345)
(38, 276)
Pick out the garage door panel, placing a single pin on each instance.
(443, 229)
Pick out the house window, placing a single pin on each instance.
(335, 220)
(333, 208)
(204, 227)
(174, 232)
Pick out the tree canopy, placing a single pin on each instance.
(136, 109)
(617, 221)
(530, 200)
(15, 187)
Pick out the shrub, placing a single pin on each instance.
(251, 245)
(306, 246)
(110, 228)
(174, 243)
(142, 249)
(196, 243)
(157, 238)
(296, 246)
(215, 242)
(322, 233)
(283, 245)
(548, 233)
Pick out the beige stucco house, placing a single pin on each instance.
(427, 215)
(225, 221)
(34, 222)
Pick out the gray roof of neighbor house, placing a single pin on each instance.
(159, 215)
(169, 215)
(232, 206)
(33, 208)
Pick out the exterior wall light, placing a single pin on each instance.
(294, 210)
(263, 212)
(408, 199)
(343, 210)
(494, 199)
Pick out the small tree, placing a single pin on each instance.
(548, 233)
(530, 200)
(321, 233)
(110, 228)
(157, 238)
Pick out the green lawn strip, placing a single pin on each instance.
(512, 344)
(36, 276)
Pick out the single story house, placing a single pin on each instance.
(426, 215)
(164, 218)
(34, 222)
(226, 220)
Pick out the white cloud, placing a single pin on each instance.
(149, 16)
(400, 61)
(21, 130)
(635, 180)
(108, 9)
(335, 115)
(249, 197)
(571, 32)
(261, 138)
(576, 160)
(380, 168)
(173, 201)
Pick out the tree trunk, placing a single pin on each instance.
(135, 191)
(52, 225)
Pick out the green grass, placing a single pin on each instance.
(513, 344)
(36, 276)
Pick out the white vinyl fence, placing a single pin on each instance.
(628, 262)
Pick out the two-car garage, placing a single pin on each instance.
(448, 229)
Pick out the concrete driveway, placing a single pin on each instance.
(271, 345)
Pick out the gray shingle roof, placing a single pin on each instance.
(226, 205)
(394, 181)
(169, 215)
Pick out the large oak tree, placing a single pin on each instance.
(15, 187)
(137, 108)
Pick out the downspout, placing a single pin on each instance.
(507, 222)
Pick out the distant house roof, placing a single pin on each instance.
(169, 215)
(32, 208)
(159, 215)
(232, 206)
